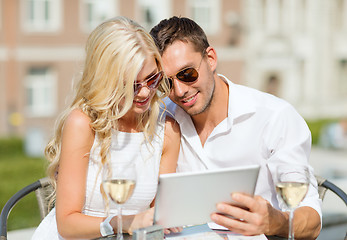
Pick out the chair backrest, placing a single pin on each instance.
(321, 189)
(324, 185)
(42, 195)
(42, 189)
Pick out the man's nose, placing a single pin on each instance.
(179, 88)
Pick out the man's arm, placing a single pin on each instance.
(260, 217)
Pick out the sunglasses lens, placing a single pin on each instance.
(188, 75)
(170, 82)
(137, 88)
(154, 81)
(151, 83)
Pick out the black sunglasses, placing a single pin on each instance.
(151, 83)
(187, 75)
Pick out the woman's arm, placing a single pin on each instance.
(171, 147)
(168, 164)
(77, 141)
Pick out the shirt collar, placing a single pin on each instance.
(241, 104)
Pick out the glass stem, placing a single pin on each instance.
(291, 230)
(119, 227)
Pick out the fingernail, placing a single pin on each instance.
(214, 217)
(235, 196)
(220, 207)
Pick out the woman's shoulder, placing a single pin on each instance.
(77, 120)
(77, 129)
(76, 116)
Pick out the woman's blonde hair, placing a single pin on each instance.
(115, 53)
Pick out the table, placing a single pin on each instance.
(203, 232)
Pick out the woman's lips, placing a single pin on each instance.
(141, 102)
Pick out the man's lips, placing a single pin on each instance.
(190, 100)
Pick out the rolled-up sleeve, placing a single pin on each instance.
(287, 139)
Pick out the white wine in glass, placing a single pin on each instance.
(291, 187)
(119, 181)
(119, 190)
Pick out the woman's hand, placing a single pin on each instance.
(141, 220)
(133, 222)
(174, 230)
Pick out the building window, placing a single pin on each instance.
(152, 12)
(274, 14)
(1, 14)
(40, 85)
(339, 13)
(302, 13)
(41, 15)
(207, 14)
(273, 85)
(95, 12)
(343, 77)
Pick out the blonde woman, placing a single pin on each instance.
(114, 114)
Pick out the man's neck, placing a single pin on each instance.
(218, 110)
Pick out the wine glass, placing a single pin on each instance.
(291, 187)
(119, 180)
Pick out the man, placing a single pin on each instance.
(224, 125)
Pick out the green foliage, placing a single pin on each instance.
(11, 146)
(316, 127)
(16, 172)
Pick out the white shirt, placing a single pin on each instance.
(260, 129)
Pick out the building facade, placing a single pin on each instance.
(298, 50)
(294, 49)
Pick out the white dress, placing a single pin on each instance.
(124, 147)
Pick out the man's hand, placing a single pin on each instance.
(257, 216)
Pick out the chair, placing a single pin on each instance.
(42, 189)
(333, 220)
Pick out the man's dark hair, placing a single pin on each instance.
(182, 29)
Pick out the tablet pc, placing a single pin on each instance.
(190, 198)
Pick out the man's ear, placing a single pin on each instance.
(211, 58)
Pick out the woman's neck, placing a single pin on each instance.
(129, 123)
